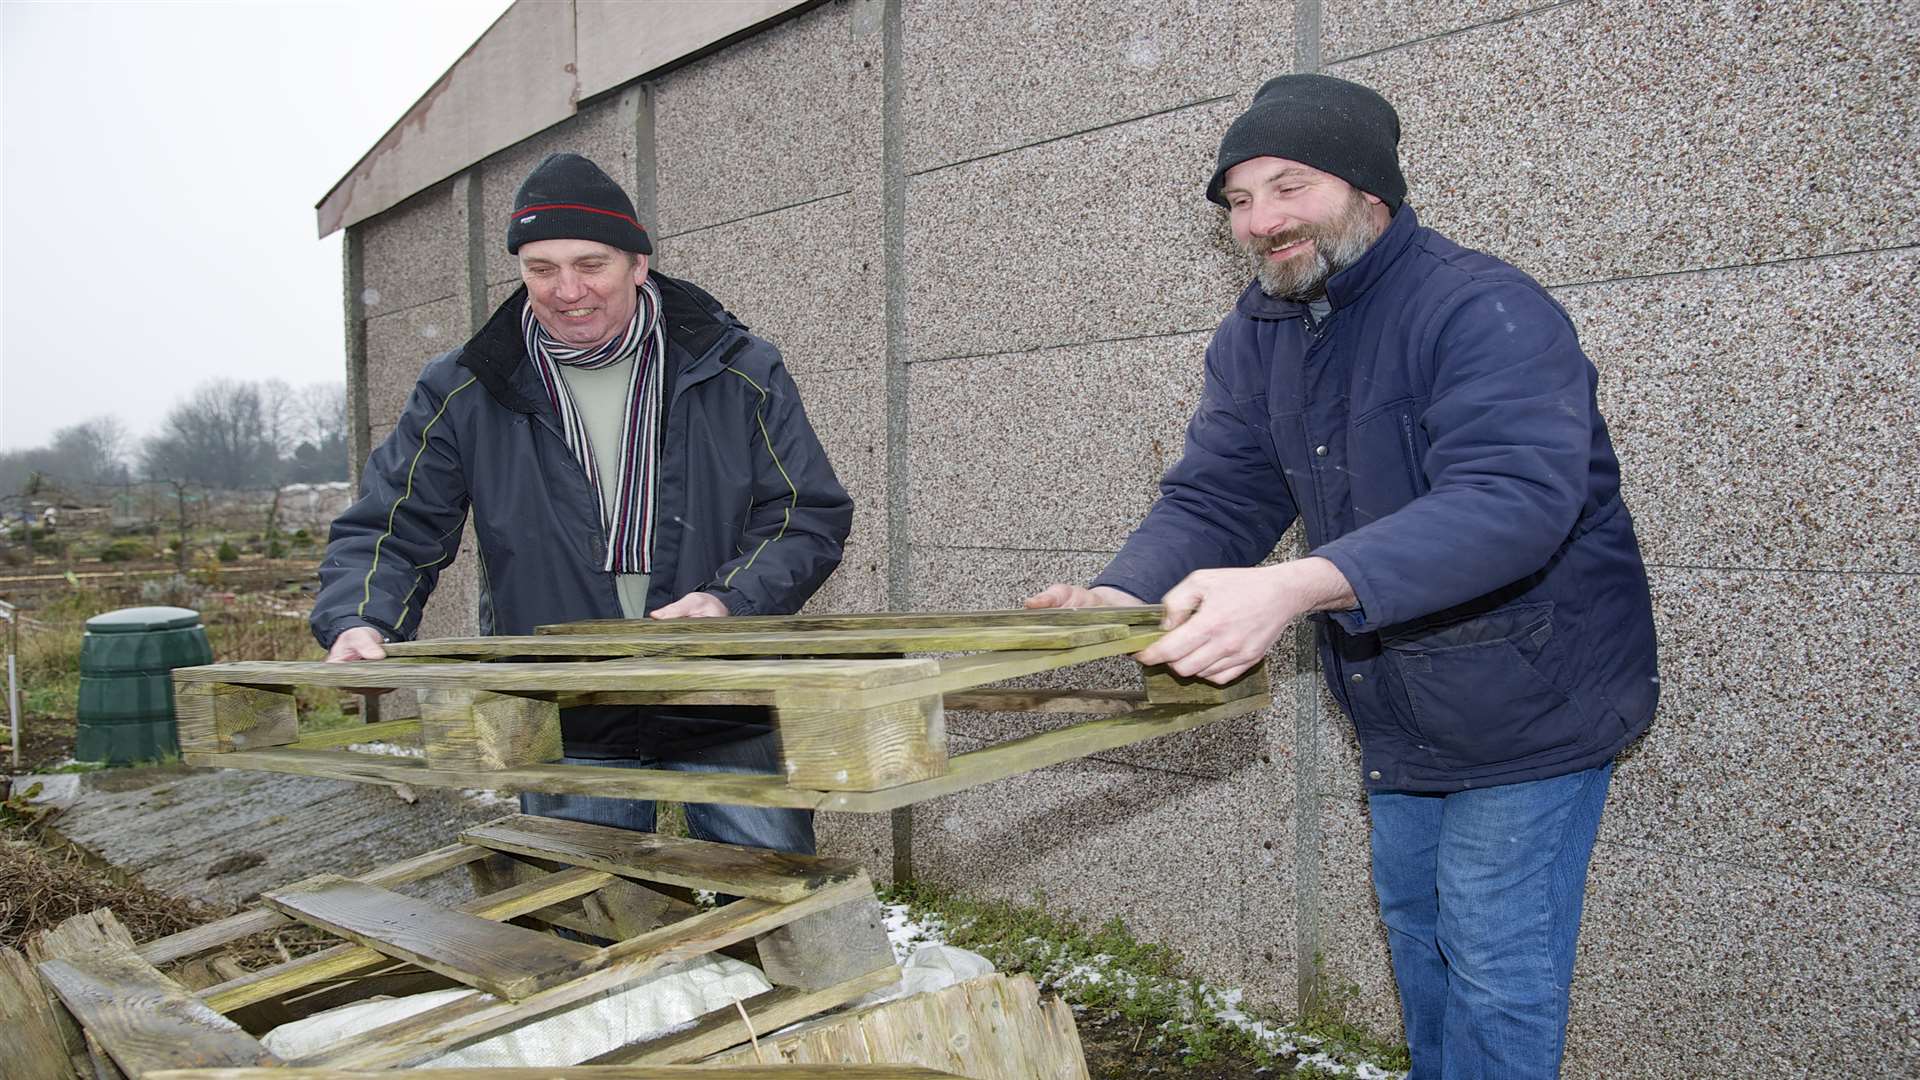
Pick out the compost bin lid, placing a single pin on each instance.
(137, 619)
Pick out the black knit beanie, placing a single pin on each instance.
(567, 197)
(1334, 125)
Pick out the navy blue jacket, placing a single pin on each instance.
(748, 506)
(1438, 436)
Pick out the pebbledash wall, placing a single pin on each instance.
(977, 233)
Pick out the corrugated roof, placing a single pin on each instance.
(528, 72)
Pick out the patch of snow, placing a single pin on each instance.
(489, 797)
(389, 749)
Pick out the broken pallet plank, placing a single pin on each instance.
(584, 1072)
(531, 895)
(723, 1027)
(618, 910)
(234, 927)
(144, 1020)
(36, 1037)
(1142, 615)
(506, 961)
(460, 1023)
(697, 864)
(648, 640)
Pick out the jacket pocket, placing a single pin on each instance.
(1475, 695)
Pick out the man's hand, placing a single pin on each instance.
(1222, 622)
(358, 643)
(1061, 596)
(694, 605)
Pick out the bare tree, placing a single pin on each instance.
(220, 436)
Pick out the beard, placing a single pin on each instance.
(1337, 244)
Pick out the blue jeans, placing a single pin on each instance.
(752, 826)
(1481, 893)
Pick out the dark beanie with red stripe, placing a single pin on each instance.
(567, 197)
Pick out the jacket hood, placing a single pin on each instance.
(1346, 286)
(497, 355)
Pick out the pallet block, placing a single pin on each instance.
(814, 924)
(862, 724)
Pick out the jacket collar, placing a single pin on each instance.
(696, 322)
(1346, 286)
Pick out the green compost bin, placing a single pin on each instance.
(126, 685)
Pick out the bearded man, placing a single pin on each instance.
(1427, 414)
(626, 450)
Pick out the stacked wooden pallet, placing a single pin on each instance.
(859, 700)
(812, 924)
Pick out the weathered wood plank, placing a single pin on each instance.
(234, 927)
(144, 1020)
(639, 674)
(1016, 756)
(1166, 688)
(836, 748)
(385, 731)
(475, 730)
(584, 1072)
(647, 640)
(741, 789)
(1096, 702)
(506, 961)
(461, 1023)
(723, 1027)
(214, 717)
(35, 1040)
(1144, 615)
(618, 910)
(828, 948)
(81, 935)
(991, 1027)
(538, 892)
(697, 864)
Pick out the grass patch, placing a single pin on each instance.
(1107, 969)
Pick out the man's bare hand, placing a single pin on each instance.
(359, 643)
(1061, 596)
(694, 605)
(1222, 622)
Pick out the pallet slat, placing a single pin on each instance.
(234, 927)
(144, 1020)
(648, 639)
(828, 676)
(722, 1028)
(1142, 615)
(461, 1023)
(346, 960)
(697, 864)
(507, 961)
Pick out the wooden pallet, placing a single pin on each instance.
(812, 924)
(861, 721)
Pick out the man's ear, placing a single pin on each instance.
(1371, 197)
(640, 268)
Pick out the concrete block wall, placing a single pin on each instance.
(979, 238)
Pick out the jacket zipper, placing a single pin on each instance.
(1413, 457)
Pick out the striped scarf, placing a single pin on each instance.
(629, 524)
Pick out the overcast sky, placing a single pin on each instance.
(159, 165)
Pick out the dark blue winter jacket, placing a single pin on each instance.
(748, 506)
(1438, 436)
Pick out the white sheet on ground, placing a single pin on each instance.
(671, 998)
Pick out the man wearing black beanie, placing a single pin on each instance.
(626, 449)
(1483, 616)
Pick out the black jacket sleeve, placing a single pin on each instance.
(385, 553)
(800, 515)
